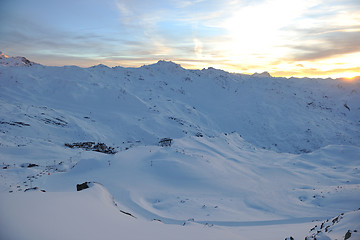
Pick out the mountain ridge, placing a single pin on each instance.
(243, 151)
(206, 93)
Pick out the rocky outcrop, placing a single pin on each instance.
(82, 186)
(14, 61)
(92, 146)
(165, 142)
(345, 226)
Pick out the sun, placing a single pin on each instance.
(351, 79)
(255, 33)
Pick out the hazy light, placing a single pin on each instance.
(286, 38)
(351, 79)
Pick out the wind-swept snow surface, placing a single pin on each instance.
(241, 156)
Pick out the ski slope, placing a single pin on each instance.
(251, 156)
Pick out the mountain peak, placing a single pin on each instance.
(2, 55)
(162, 64)
(14, 61)
(166, 63)
(99, 66)
(263, 74)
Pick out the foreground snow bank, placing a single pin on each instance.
(92, 214)
(89, 214)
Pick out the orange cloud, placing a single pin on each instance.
(314, 72)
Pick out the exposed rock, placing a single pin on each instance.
(348, 108)
(17, 124)
(334, 228)
(34, 189)
(199, 134)
(165, 142)
(28, 165)
(92, 146)
(127, 213)
(347, 235)
(82, 186)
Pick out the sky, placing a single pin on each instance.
(304, 38)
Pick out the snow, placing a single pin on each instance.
(263, 74)
(91, 214)
(14, 61)
(343, 226)
(251, 157)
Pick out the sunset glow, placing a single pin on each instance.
(313, 38)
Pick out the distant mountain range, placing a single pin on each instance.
(185, 147)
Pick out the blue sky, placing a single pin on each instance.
(286, 38)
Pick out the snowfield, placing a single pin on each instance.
(171, 153)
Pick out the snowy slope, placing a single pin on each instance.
(344, 226)
(91, 214)
(285, 115)
(247, 151)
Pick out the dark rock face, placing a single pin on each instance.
(127, 213)
(82, 186)
(92, 146)
(29, 189)
(17, 124)
(347, 235)
(28, 165)
(165, 142)
(199, 134)
(34, 189)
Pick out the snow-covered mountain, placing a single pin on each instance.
(184, 147)
(14, 61)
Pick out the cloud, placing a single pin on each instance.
(186, 4)
(353, 71)
(327, 45)
(29, 38)
(327, 30)
(236, 35)
(198, 47)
